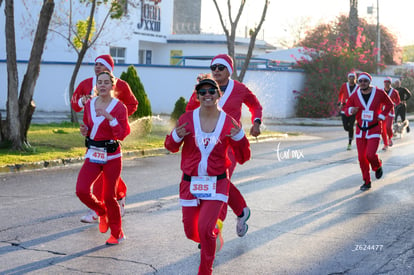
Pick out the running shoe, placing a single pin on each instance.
(90, 217)
(242, 227)
(365, 186)
(121, 203)
(114, 241)
(103, 224)
(349, 147)
(378, 173)
(219, 239)
(385, 148)
(391, 143)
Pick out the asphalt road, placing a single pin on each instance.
(308, 215)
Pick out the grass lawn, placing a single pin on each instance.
(63, 140)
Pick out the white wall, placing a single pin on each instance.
(163, 85)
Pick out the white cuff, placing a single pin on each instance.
(113, 122)
(80, 103)
(176, 138)
(350, 110)
(239, 135)
(381, 116)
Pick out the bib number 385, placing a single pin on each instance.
(203, 186)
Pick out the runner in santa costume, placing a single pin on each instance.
(235, 94)
(206, 134)
(387, 132)
(122, 91)
(370, 106)
(105, 122)
(347, 89)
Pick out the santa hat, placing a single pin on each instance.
(365, 76)
(224, 59)
(106, 60)
(352, 74)
(388, 79)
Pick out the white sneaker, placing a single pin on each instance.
(121, 203)
(242, 227)
(90, 217)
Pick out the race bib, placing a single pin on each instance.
(98, 155)
(203, 186)
(367, 115)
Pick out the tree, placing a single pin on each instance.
(326, 69)
(179, 108)
(20, 106)
(82, 35)
(132, 78)
(408, 54)
(231, 34)
(144, 112)
(391, 52)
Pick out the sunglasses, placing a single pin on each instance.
(363, 80)
(203, 92)
(221, 67)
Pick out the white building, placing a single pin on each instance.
(149, 37)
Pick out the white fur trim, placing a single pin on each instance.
(176, 138)
(105, 63)
(239, 135)
(224, 62)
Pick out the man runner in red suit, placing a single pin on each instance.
(387, 132)
(347, 89)
(370, 106)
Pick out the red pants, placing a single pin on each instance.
(236, 201)
(199, 223)
(367, 155)
(98, 188)
(110, 172)
(386, 132)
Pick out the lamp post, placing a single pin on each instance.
(370, 11)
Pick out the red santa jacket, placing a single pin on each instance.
(232, 101)
(370, 115)
(99, 128)
(122, 91)
(344, 93)
(204, 154)
(395, 97)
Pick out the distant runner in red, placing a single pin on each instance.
(370, 106)
(387, 132)
(347, 89)
(83, 93)
(235, 94)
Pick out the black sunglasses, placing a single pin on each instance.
(363, 80)
(203, 92)
(221, 67)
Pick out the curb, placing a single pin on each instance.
(41, 165)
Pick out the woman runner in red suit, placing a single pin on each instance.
(105, 122)
(206, 134)
(84, 92)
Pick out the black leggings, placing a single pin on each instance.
(400, 110)
(348, 122)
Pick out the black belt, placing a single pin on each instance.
(110, 145)
(219, 177)
(367, 128)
